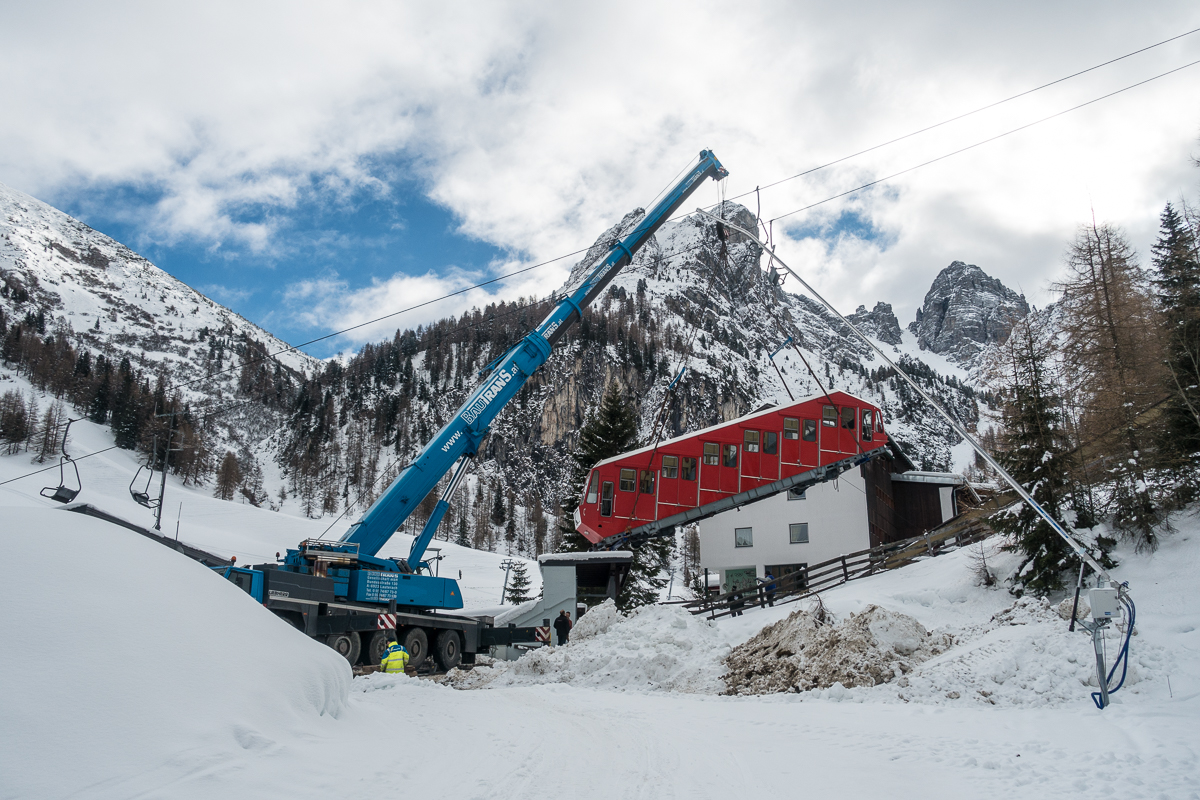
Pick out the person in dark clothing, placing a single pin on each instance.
(736, 604)
(562, 626)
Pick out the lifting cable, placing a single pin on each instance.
(1077, 547)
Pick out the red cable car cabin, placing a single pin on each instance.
(649, 484)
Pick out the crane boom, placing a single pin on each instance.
(459, 440)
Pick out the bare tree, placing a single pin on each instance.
(1113, 359)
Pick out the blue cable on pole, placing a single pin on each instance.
(1122, 659)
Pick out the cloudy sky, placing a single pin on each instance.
(313, 165)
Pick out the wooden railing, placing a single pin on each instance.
(965, 529)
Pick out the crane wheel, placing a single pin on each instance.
(375, 647)
(348, 645)
(417, 644)
(448, 651)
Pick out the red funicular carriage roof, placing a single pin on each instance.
(748, 475)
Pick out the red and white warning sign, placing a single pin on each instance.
(543, 634)
(385, 622)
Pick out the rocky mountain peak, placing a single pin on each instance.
(966, 310)
(879, 322)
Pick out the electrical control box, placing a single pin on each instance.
(1104, 603)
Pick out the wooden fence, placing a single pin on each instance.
(967, 528)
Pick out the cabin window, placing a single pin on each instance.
(848, 415)
(729, 455)
(743, 537)
(750, 439)
(810, 430)
(670, 466)
(606, 498)
(879, 422)
(689, 469)
(791, 428)
(829, 417)
(712, 454)
(868, 424)
(593, 487)
(628, 476)
(770, 442)
(798, 533)
(646, 486)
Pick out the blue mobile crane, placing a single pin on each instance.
(342, 591)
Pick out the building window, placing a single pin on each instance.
(796, 494)
(729, 456)
(810, 430)
(743, 537)
(670, 466)
(770, 443)
(791, 428)
(868, 424)
(829, 417)
(848, 415)
(750, 440)
(606, 498)
(712, 454)
(798, 533)
(593, 487)
(647, 482)
(628, 476)
(689, 469)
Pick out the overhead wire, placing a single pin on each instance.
(499, 278)
(984, 141)
(877, 181)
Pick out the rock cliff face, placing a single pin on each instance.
(965, 311)
(879, 322)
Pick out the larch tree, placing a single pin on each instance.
(229, 475)
(1113, 357)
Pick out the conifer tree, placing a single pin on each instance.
(612, 431)
(518, 584)
(1177, 280)
(1034, 452)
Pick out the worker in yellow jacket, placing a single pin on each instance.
(395, 658)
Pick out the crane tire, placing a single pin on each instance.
(373, 652)
(348, 645)
(417, 644)
(448, 650)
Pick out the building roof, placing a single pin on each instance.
(739, 420)
(938, 478)
(599, 557)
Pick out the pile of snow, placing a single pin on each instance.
(123, 658)
(1025, 656)
(801, 652)
(657, 648)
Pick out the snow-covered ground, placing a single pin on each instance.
(130, 671)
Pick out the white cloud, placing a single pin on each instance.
(539, 125)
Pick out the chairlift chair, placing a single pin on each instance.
(63, 493)
(143, 497)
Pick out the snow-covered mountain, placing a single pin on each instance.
(965, 311)
(338, 431)
(108, 299)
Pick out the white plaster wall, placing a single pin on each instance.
(836, 513)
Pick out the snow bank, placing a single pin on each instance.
(801, 652)
(657, 648)
(1025, 656)
(123, 658)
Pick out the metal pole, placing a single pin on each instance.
(162, 487)
(1101, 673)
